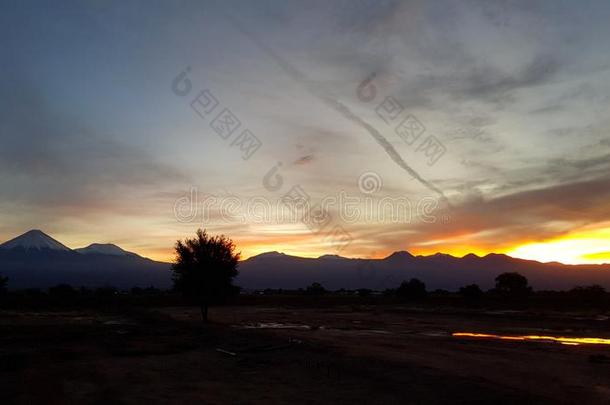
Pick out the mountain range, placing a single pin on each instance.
(36, 260)
(438, 271)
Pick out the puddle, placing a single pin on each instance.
(503, 312)
(600, 318)
(357, 331)
(569, 341)
(118, 322)
(275, 325)
(382, 332)
(434, 334)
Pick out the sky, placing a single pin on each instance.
(356, 128)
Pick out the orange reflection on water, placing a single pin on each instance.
(570, 341)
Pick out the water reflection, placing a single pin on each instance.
(570, 341)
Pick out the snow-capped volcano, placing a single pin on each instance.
(34, 240)
(104, 249)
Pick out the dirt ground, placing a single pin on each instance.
(271, 354)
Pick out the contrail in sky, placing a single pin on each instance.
(338, 106)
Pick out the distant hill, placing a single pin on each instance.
(439, 271)
(104, 249)
(36, 260)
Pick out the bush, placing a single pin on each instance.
(593, 295)
(512, 285)
(315, 289)
(413, 289)
(63, 294)
(471, 292)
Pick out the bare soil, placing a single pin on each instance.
(281, 354)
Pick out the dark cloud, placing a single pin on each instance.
(489, 82)
(548, 109)
(485, 82)
(364, 15)
(586, 165)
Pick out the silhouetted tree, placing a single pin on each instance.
(315, 289)
(106, 292)
(512, 285)
(441, 292)
(589, 295)
(412, 289)
(63, 293)
(471, 292)
(34, 294)
(136, 291)
(204, 269)
(364, 292)
(152, 291)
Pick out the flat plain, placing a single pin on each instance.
(277, 353)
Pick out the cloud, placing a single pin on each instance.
(48, 158)
(528, 215)
(491, 83)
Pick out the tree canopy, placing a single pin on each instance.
(513, 285)
(412, 289)
(471, 292)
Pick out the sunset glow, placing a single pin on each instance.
(589, 246)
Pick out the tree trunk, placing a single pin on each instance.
(204, 311)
